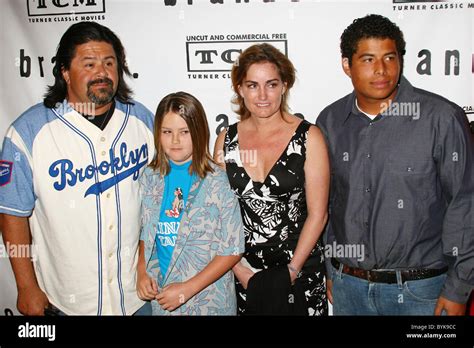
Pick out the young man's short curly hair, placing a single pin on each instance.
(371, 26)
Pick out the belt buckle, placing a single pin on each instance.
(360, 273)
(371, 277)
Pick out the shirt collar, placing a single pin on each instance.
(405, 90)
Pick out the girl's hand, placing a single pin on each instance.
(174, 296)
(147, 288)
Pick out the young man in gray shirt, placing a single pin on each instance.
(402, 186)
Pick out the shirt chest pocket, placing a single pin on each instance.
(413, 177)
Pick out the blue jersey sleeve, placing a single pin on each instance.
(16, 178)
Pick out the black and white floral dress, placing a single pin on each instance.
(274, 213)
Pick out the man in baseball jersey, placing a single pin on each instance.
(68, 183)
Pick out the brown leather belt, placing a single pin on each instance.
(389, 277)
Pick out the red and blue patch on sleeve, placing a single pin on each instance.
(6, 169)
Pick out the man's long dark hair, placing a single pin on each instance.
(78, 34)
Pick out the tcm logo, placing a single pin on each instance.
(64, 7)
(219, 56)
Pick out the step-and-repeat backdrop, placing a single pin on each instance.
(190, 45)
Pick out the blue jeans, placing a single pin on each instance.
(144, 310)
(355, 296)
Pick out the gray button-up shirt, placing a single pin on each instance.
(402, 186)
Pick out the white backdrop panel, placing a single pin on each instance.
(166, 44)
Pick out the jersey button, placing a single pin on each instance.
(103, 153)
(108, 195)
(102, 139)
(111, 254)
(111, 227)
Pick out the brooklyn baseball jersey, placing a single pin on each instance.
(79, 187)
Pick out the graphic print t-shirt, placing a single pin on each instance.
(175, 195)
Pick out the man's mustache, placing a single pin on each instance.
(101, 80)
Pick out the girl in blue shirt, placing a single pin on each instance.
(192, 232)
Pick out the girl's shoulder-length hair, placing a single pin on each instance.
(192, 111)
